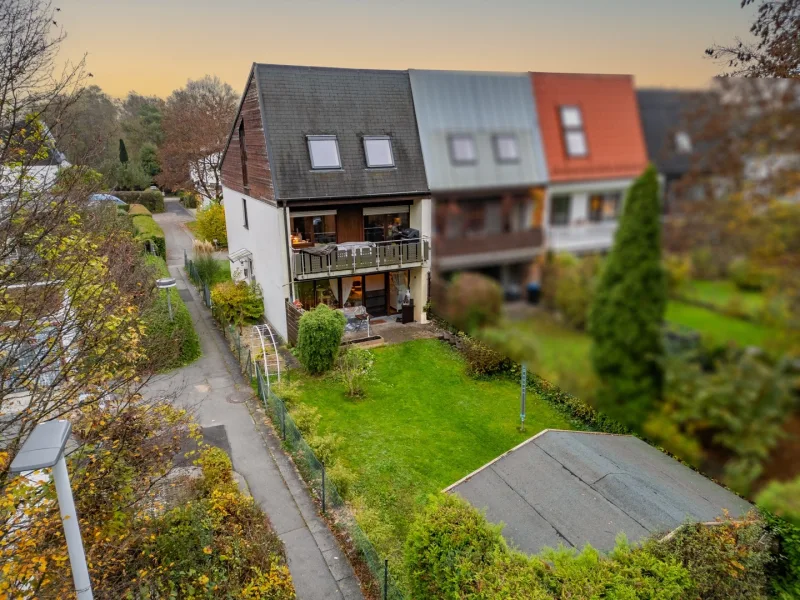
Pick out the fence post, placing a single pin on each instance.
(323, 486)
(385, 579)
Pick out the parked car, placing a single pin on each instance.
(96, 198)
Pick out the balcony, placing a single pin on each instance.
(473, 251)
(358, 258)
(584, 237)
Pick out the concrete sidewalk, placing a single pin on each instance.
(219, 395)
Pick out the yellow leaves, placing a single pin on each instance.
(207, 550)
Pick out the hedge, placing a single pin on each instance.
(138, 209)
(150, 199)
(147, 230)
(162, 333)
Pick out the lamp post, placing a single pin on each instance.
(165, 283)
(45, 448)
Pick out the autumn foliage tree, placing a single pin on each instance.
(197, 120)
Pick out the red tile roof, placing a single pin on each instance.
(614, 137)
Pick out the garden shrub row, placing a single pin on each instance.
(170, 344)
(151, 199)
(453, 552)
(147, 230)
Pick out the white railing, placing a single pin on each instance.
(355, 257)
(584, 237)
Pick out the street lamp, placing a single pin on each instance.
(164, 284)
(45, 448)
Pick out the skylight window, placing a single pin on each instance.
(506, 149)
(463, 150)
(683, 143)
(574, 134)
(324, 152)
(378, 151)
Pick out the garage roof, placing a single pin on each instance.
(574, 488)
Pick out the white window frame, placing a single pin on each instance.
(683, 142)
(451, 146)
(318, 138)
(573, 130)
(496, 143)
(375, 138)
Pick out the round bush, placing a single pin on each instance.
(746, 275)
(318, 338)
(473, 301)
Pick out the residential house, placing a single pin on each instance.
(670, 128)
(486, 170)
(574, 488)
(326, 198)
(594, 148)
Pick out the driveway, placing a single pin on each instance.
(214, 389)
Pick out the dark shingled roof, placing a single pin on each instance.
(664, 113)
(348, 103)
(573, 488)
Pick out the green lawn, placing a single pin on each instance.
(717, 327)
(192, 226)
(224, 272)
(422, 426)
(721, 294)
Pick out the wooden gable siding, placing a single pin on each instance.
(259, 177)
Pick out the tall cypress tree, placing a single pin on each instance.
(627, 313)
(123, 152)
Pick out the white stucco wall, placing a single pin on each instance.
(421, 218)
(582, 235)
(266, 240)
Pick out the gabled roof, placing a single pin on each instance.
(482, 105)
(610, 117)
(664, 114)
(574, 488)
(300, 101)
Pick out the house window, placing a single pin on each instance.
(324, 152)
(574, 134)
(381, 225)
(604, 207)
(683, 143)
(560, 210)
(378, 151)
(311, 229)
(244, 213)
(243, 154)
(463, 150)
(506, 149)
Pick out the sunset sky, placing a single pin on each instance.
(154, 46)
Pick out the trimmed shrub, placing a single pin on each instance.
(217, 470)
(628, 310)
(726, 562)
(138, 209)
(147, 230)
(306, 418)
(447, 546)
(482, 359)
(188, 198)
(784, 572)
(473, 301)
(211, 224)
(168, 344)
(342, 478)
(318, 338)
(288, 391)
(746, 275)
(324, 446)
(239, 302)
(153, 200)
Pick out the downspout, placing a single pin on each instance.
(288, 252)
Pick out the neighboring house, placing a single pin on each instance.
(40, 172)
(669, 124)
(326, 198)
(574, 488)
(486, 170)
(594, 149)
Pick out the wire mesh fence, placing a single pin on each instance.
(313, 471)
